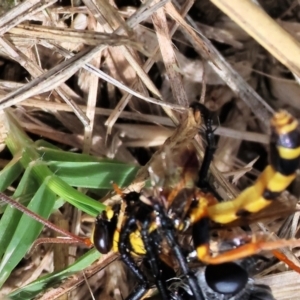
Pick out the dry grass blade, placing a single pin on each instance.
(222, 67)
(70, 35)
(147, 66)
(21, 12)
(269, 34)
(45, 82)
(75, 281)
(36, 71)
(169, 58)
(76, 75)
(285, 286)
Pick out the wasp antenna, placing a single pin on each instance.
(117, 189)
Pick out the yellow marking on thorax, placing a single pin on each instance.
(137, 243)
(116, 238)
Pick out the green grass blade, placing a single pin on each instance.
(74, 197)
(40, 144)
(18, 142)
(96, 175)
(26, 231)
(33, 289)
(11, 216)
(10, 173)
(50, 154)
(50, 172)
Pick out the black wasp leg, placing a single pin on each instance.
(128, 228)
(152, 255)
(167, 229)
(211, 144)
(208, 155)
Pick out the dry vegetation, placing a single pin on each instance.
(114, 79)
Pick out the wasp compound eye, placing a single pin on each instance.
(226, 278)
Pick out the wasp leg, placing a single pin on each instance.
(246, 250)
(211, 145)
(152, 255)
(129, 227)
(279, 255)
(200, 219)
(167, 229)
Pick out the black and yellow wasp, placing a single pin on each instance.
(152, 222)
